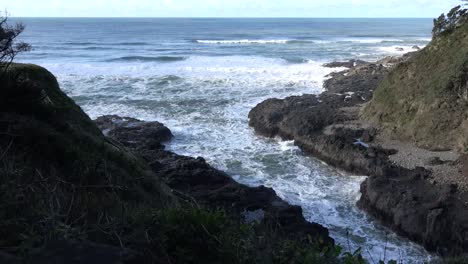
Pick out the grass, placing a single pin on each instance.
(60, 178)
(426, 98)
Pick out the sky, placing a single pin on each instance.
(227, 8)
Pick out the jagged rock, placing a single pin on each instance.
(326, 126)
(359, 81)
(346, 64)
(194, 178)
(133, 132)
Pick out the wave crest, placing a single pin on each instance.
(147, 59)
(244, 41)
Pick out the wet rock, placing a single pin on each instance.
(194, 179)
(430, 214)
(360, 80)
(309, 114)
(132, 132)
(346, 64)
(326, 126)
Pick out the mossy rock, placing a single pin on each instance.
(425, 100)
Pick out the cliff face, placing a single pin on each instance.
(425, 99)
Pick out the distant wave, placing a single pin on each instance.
(81, 43)
(244, 41)
(106, 44)
(148, 59)
(95, 48)
(370, 40)
(296, 41)
(260, 41)
(130, 44)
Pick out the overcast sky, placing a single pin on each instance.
(227, 8)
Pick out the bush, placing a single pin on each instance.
(447, 23)
(9, 44)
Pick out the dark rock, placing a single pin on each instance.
(326, 126)
(83, 252)
(430, 214)
(346, 64)
(133, 132)
(360, 80)
(308, 114)
(193, 179)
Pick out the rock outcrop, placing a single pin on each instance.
(193, 178)
(72, 193)
(425, 99)
(416, 200)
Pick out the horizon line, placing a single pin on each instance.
(227, 17)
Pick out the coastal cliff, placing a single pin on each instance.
(425, 99)
(401, 121)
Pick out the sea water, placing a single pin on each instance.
(201, 77)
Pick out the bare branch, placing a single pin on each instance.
(9, 46)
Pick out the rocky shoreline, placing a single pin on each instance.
(413, 196)
(192, 179)
(75, 190)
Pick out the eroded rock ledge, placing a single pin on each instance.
(70, 194)
(193, 179)
(413, 196)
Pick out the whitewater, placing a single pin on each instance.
(201, 77)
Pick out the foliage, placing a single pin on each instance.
(9, 44)
(447, 23)
(61, 179)
(428, 109)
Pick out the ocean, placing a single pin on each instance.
(201, 77)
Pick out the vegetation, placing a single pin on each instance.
(9, 44)
(447, 23)
(429, 109)
(61, 179)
